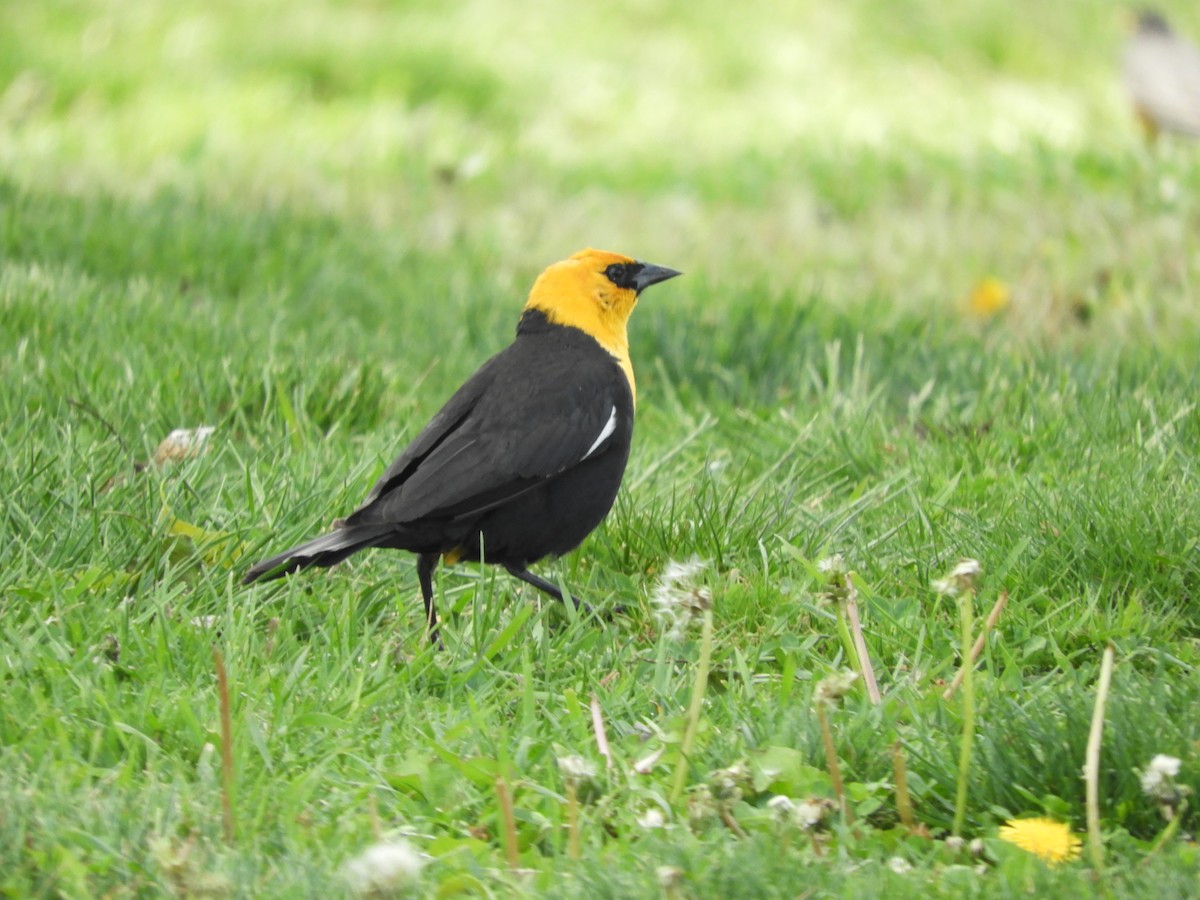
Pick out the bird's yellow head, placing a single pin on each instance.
(595, 291)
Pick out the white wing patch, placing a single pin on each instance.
(609, 427)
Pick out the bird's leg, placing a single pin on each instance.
(545, 586)
(426, 563)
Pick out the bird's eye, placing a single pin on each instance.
(618, 274)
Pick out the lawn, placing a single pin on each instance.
(939, 304)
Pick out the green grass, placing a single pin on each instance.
(305, 225)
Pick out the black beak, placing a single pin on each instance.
(651, 274)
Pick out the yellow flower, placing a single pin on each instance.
(1050, 840)
(989, 297)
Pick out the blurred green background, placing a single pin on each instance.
(874, 149)
(362, 92)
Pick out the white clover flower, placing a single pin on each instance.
(810, 813)
(833, 688)
(678, 599)
(576, 769)
(700, 805)
(954, 843)
(183, 443)
(727, 783)
(839, 586)
(1161, 768)
(652, 818)
(669, 877)
(206, 763)
(832, 565)
(967, 568)
(802, 814)
(961, 578)
(645, 765)
(976, 847)
(386, 867)
(899, 865)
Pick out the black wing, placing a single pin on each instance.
(442, 425)
(531, 413)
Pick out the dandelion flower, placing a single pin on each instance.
(1045, 838)
(966, 568)
(1158, 783)
(384, 868)
(962, 578)
(678, 599)
(1161, 769)
(988, 297)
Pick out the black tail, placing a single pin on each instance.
(326, 550)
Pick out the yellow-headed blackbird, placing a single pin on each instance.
(526, 458)
(1162, 76)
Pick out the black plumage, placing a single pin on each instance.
(522, 462)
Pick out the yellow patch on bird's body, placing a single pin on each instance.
(577, 293)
